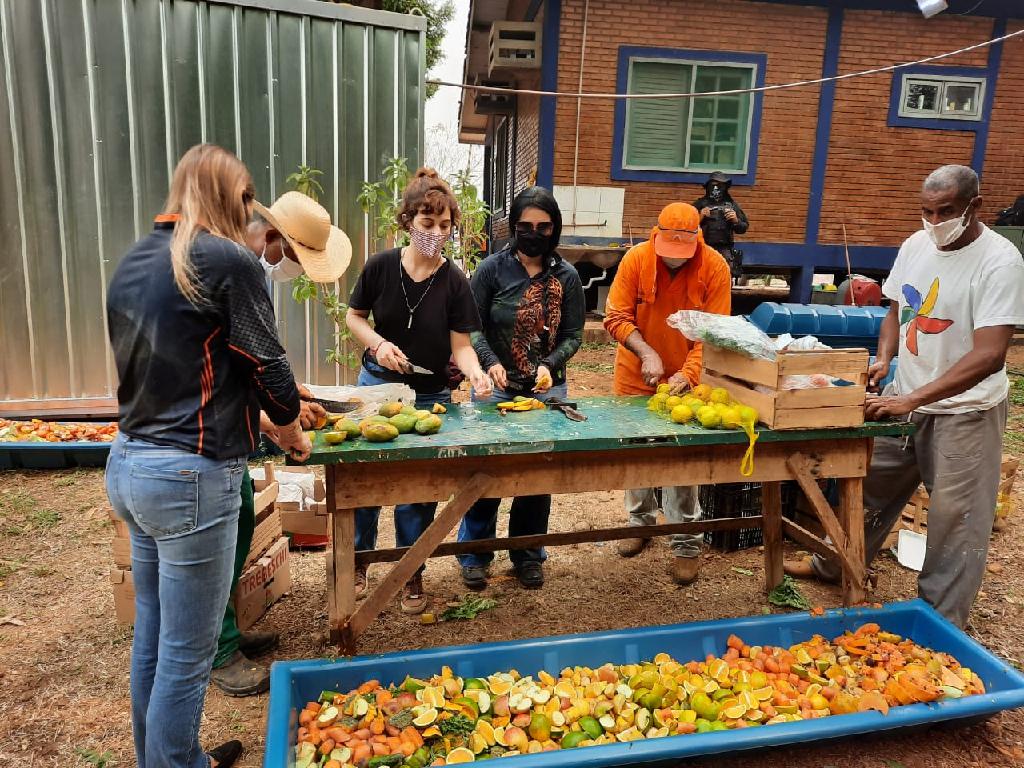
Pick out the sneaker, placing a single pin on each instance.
(413, 598)
(684, 570)
(226, 755)
(257, 643)
(804, 569)
(360, 582)
(531, 574)
(631, 547)
(241, 677)
(474, 577)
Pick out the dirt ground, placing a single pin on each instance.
(64, 660)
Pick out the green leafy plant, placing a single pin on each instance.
(469, 608)
(789, 595)
(305, 181)
(96, 759)
(457, 725)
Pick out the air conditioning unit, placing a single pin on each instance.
(488, 103)
(515, 45)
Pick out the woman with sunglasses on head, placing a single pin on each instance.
(532, 308)
(423, 315)
(197, 355)
(673, 270)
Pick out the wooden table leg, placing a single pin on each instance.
(341, 564)
(771, 525)
(414, 557)
(851, 517)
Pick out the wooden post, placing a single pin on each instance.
(851, 515)
(341, 559)
(411, 561)
(771, 525)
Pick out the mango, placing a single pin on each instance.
(333, 438)
(430, 425)
(380, 433)
(403, 422)
(438, 408)
(348, 426)
(390, 409)
(409, 409)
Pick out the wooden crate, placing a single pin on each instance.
(782, 408)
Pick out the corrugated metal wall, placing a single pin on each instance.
(98, 99)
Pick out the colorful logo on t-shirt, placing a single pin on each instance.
(918, 314)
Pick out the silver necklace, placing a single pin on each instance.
(401, 281)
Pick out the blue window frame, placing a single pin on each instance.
(682, 140)
(939, 98)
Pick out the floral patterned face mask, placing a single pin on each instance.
(429, 244)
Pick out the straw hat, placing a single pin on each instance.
(324, 251)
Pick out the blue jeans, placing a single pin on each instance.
(529, 514)
(411, 520)
(182, 512)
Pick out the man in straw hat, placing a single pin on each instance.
(295, 237)
(673, 270)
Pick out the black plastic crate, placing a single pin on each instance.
(736, 500)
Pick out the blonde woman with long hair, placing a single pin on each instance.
(197, 354)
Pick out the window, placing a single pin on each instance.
(697, 134)
(499, 173)
(681, 140)
(941, 97)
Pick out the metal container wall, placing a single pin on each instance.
(99, 98)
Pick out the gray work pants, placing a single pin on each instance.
(957, 457)
(679, 503)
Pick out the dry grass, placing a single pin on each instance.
(64, 670)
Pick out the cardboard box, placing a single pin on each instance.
(267, 532)
(124, 595)
(122, 549)
(262, 584)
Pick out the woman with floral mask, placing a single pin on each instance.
(423, 313)
(532, 307)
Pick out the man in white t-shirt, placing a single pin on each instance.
(957, 291)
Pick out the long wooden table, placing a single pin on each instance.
(620, 446)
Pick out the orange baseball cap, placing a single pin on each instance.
(678, 231)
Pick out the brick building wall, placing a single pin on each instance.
(522, 157)
(1003, 177)
(874, 170)
(789, 118)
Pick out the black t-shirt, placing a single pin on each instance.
(441, 306)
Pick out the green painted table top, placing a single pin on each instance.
(614, 423)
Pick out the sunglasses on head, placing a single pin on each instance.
(679, 235)
(543, 228)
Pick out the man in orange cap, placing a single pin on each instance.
(673, 270)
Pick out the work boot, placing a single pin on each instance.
(360, 581)
(226, 755)
(531, 574)
(684, 570)
(631, 547)
(804, 569)
(413, 598)
(257, 643)
(474, 577)
(241, 676)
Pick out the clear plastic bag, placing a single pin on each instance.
(732, 333)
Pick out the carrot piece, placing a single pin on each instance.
(332, 764)
(412, 735)
(339, 734)
(363, 734)
(379, 749)
(390, 730)
(407, 748)
(305, 717)
(379, 739)
(368, 686)
(361, 753)
(377, 726)
(383, 697)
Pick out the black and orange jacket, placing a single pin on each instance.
(195, 378)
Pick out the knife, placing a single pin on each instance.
(335, 406)
(568, 409)
(420, 369)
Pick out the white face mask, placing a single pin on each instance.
(946, 232)
(282, 272)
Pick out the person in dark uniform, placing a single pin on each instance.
(720, 219)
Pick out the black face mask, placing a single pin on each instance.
(716, 194)
(533, 244)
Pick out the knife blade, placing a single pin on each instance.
(420, 369)
(567, 409)
(335, 406)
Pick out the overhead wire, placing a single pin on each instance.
(733, 92)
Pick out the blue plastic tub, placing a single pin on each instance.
(841, 327)
(53, 455)
(292, 684)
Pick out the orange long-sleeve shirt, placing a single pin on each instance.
(643, 295)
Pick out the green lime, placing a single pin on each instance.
(591, 727)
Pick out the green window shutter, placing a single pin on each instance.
(656, 128)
